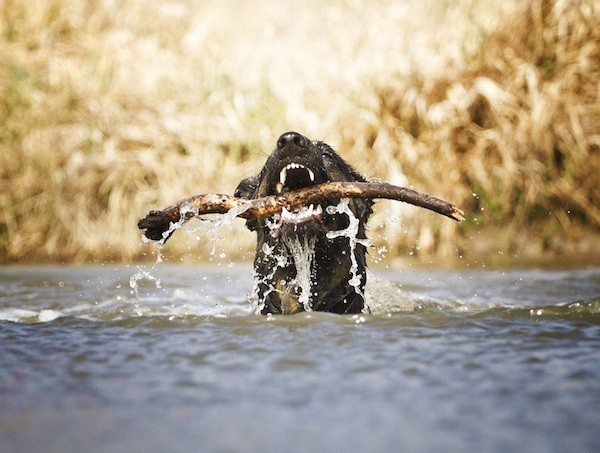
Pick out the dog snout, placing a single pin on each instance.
(292, 138)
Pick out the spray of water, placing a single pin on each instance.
(300, 250)
(351, 233)
(281, 261)
(139, 275)
(303, 253)
(208, 226)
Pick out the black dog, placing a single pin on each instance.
(298, 265)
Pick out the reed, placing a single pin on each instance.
(109, 109)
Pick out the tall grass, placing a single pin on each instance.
(512, 134)
(108, 109)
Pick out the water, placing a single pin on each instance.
(351, 233)
(450, 360)
(303, 254)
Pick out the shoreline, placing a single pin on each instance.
(188, 251)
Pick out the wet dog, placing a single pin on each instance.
(312, 258)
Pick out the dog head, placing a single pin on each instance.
(296, 163)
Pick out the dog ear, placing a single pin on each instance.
(342, 171)
(247, 189)
(364, 205)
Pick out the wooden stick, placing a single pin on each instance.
(158, 222)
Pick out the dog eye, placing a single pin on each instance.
(327, 154)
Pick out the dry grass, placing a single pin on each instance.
(513, 135)
(111, 108)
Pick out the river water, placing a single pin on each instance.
(449, 360)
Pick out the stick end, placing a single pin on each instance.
(457, 214)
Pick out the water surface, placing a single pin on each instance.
(449, 360)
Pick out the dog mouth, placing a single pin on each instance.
(295, 176)
(302, 214)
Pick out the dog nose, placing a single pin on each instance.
(292, 137)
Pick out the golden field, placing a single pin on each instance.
(111, 108)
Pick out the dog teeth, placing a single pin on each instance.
(301, 215)
(282, 177)
(283, 174)
(279, 187)
(286, 215)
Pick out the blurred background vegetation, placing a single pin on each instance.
(110, 108)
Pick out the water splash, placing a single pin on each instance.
(207, 226)
(186, 211)
(383, 296)
(139, 275)
(266, 280)
(303, 253)
(351, 233)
